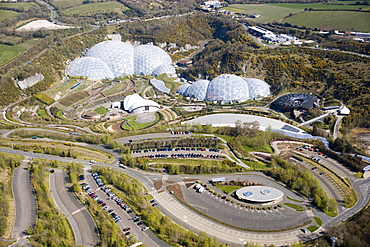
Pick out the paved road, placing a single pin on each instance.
(25, 200)
(83, 225)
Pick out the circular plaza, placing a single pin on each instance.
(259, 194)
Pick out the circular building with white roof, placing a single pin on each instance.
(259, 194)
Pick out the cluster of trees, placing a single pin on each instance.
(204, 167)
(47, 150)
(161, 225)
(354, 163)
(303, 181)
(52, 227)
(177, 142)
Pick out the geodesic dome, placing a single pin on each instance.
(164, 68)
(123, 59)
(227, 88)
(92, 67)
(257, 88)
(149, 57)
(182, 89)
(198, 90)
(116, 54)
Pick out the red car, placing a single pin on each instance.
(126, 229)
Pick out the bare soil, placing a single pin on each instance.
(361, 138)
(177, 191)
(158, 184)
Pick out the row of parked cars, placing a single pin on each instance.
(191, 155)
(175, 149)
(112, 196)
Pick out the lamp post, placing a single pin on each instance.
(333, 239)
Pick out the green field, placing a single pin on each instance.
(8, 52)
(101, 110)
(5, 14)
(95, 7)
(228, 188)
(328, 20)
(277, 11)
(25, 6)
(135, 125)
(67, 3)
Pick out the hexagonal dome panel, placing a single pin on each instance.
(257, 88)
(198, 90)
(116, 54)
(149, 57)
(92, 67)
(227, 88)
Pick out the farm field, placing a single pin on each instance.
(67, 3)
(70, 100)
(328, 20)
(8, 52)
(95, 7)
(277, 11)
(25, 5)
(5, 14)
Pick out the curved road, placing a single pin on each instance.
(25, 200)
(83, 226)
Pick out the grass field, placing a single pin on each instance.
(228, 188)
(101, 110)
(8, 52)
(95, 7)
(133, 125)
(5, 14)
(25, 5)
(327, 20)
(67, 3)
(277, 11)
(295, 206)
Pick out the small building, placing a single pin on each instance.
(116, 105)
(344, 111)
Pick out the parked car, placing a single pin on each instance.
(126, 229)
(145, 228)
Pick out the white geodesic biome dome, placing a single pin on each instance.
(198, 90)
(257, 88)
(120, 59)
(92, 67)
(226, 88)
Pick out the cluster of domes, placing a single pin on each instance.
(226, 88)
(111, 59)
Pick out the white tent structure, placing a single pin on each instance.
(136, 104)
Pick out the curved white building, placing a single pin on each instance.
(259, 194)
(136, 104)
(115, 59)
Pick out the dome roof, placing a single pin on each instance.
(164, 68)
(182, 89)
(116, 54)
(257, 88)
(123, 59)
(93, 68)
(198, 90)
(149, 57)
(227, 88)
